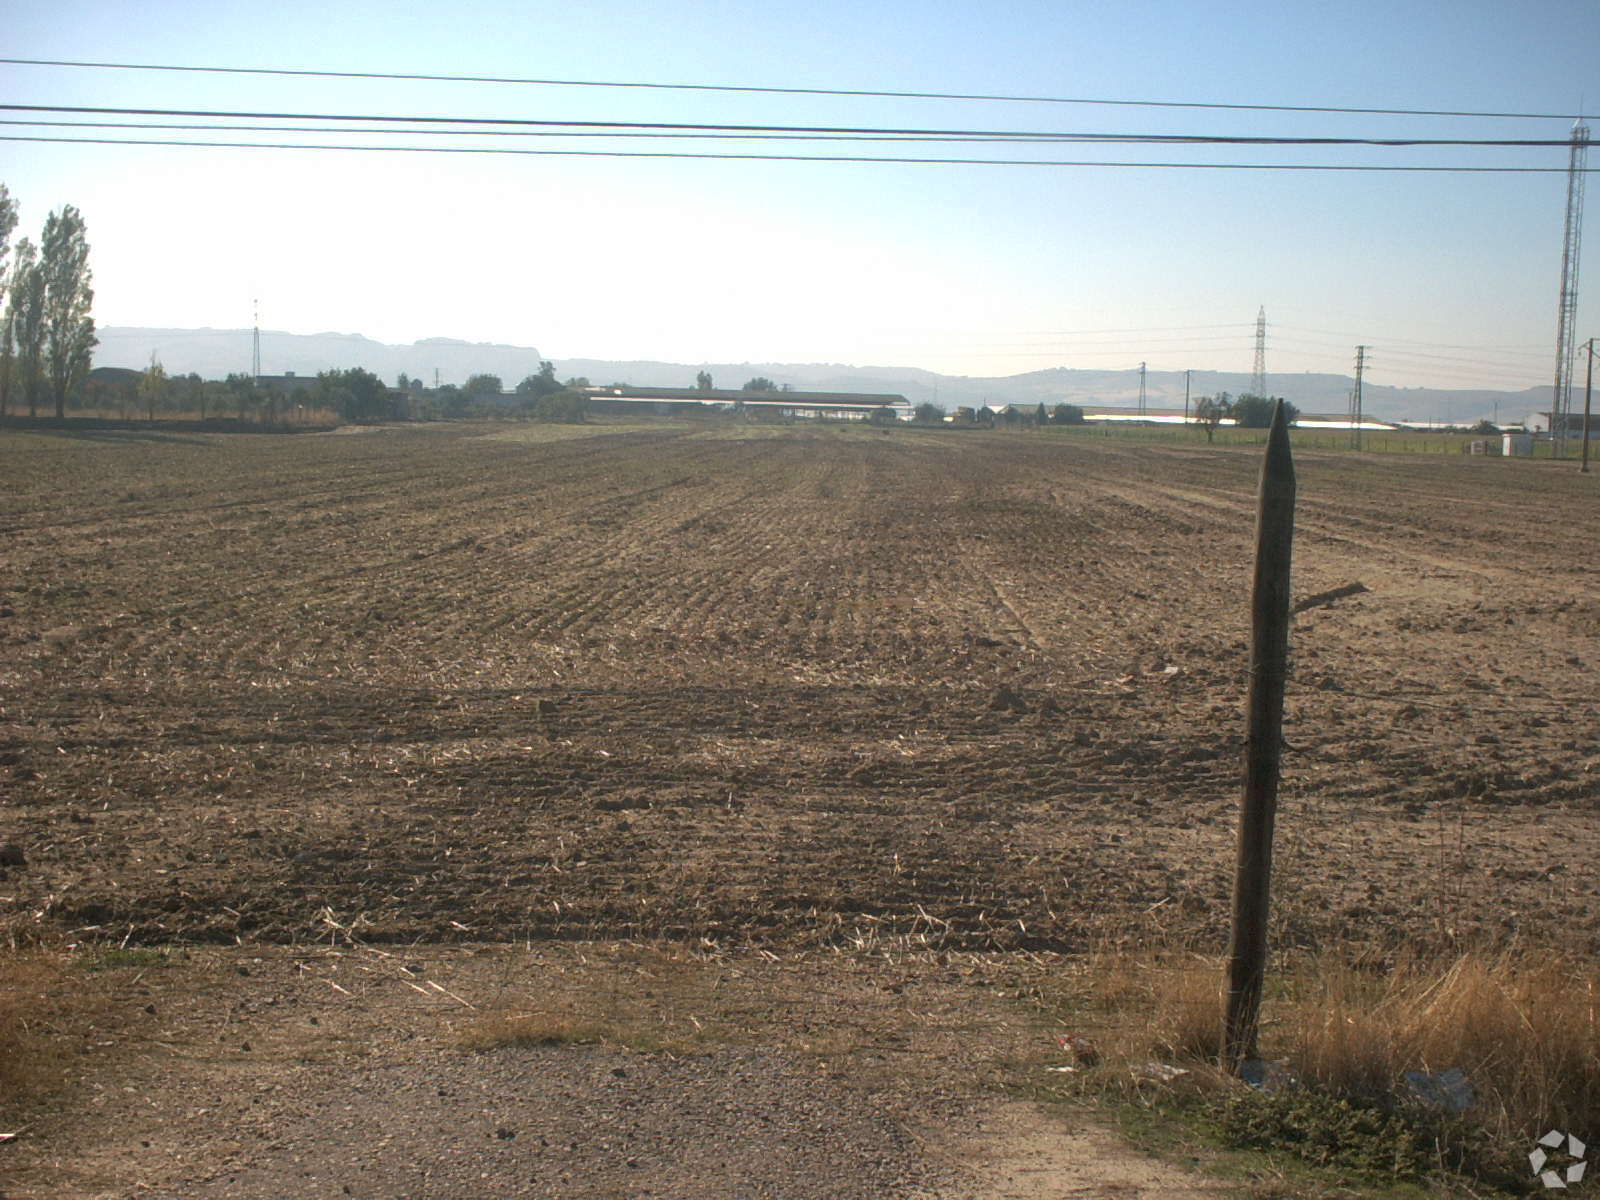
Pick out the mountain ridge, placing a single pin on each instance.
(215, 353)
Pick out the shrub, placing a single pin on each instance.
(565, 407)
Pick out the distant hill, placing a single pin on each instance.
(215, 353)
(1311, 393)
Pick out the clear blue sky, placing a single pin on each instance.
(978, 270)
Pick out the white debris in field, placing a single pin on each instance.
(1159, 1071)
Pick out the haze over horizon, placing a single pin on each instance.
(217, 353)
(957, 268)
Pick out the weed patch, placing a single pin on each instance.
(115, 958)
(532, 1029)
(1352, 1044)
(1327, 1131)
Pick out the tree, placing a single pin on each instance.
(68, 328)
(25, 323)
(8, 225)
(1486, 426)
(450, 400)
(484, 385)
(564, 407)
(214, 393)
(760, 384)
(1210, 411)
(241, 388)
(356, 395)
(1255, 412)
(1067, 414)
(928, 414)
(153, 385)
(542, 384)
(1040, 416)
(403, 382)
(703, 381)
(186, 393)
(882, 415)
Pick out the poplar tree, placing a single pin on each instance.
(8, 223)
(69, 336)
(24, 328)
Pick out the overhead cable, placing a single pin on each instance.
(844, 158)
(721, 128)
(417, 76)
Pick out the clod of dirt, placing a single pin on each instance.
(1006, 700)
(11, 856)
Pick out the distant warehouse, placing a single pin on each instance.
(621, 398)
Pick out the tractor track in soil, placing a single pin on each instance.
(786, 689)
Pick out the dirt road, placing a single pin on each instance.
(357, 1071)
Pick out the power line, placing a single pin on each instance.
(1518, 348)
(843, 158)
(780, 91)
(720, 128)
(579, 129)
(530, 133)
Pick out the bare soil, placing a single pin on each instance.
(335, 1070)
(794, 692)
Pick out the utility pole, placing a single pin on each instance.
(1588, 393)
(1141, 389)
(1186, 397)
(255, 346)
(1258, 373)
(1355, 400)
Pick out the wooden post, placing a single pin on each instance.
(1269, 663)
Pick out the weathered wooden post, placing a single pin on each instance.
(1269, 664)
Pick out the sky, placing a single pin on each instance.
(983, 270)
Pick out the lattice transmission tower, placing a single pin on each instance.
(1258, 374)
(1567, 312)
(1355, 399)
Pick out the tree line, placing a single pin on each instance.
(47, 333)
(352, 394)
(47, 336)
(1246, 411)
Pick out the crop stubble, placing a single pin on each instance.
(782, 689)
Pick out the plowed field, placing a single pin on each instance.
(779, 688)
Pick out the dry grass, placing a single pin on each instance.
(55, 1001)
(1521, 1026)
(651, 1000)
(32, 991)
